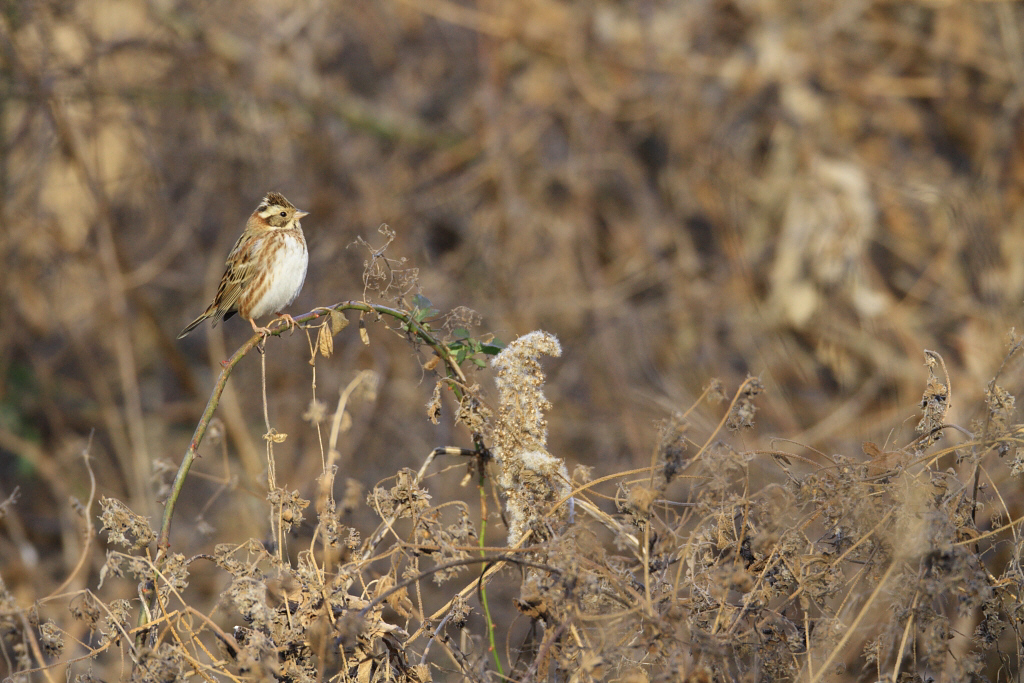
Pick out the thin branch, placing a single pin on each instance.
(414, 328)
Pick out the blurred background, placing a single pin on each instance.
(810, 192)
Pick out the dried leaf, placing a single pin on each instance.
(275, 436)
(125, 527)
(420, 674)
(400, 602)
(325, 342)
(338, 321)
(434, 404)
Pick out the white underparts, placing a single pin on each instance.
(285, 275)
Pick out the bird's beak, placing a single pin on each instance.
(301, 214)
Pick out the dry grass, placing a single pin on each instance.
(805, 200)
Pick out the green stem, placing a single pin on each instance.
(190, 455)
(483, 584)
(415, 328)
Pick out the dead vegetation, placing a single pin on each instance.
(712, 563)
(818, 203)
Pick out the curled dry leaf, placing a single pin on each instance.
(325, 342)
(275, 436)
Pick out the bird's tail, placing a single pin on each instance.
(208, 313)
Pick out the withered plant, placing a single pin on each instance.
(712, 563)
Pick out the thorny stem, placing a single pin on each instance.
(164, 541)
(414, 329)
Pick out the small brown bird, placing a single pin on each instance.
(265, 268)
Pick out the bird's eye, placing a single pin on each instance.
(283, 214)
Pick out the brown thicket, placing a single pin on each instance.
(681, 348)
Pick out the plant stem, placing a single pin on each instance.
(415, 328)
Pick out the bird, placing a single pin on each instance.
(265, 269)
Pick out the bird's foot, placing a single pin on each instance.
(262, 331)
(290, 321)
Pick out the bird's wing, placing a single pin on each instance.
(241, 267)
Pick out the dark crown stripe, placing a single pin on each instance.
(277, 199)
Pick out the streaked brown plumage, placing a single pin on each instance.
(266, 267)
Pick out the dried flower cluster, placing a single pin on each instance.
(715, 563)
(531, 479)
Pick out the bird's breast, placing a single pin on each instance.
(279, 276)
